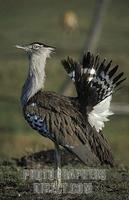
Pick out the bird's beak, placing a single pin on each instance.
(22, 47)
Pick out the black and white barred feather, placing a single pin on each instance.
(95, 83)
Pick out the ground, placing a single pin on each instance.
(14, 186)
(16, 19)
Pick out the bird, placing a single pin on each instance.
(73, 123)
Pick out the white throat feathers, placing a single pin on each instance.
(36, 75)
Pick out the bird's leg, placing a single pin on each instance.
(58, 165)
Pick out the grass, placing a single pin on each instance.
(41, 20)
(116, 186)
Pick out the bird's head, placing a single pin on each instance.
(37, 48)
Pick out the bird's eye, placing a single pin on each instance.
(35, 46)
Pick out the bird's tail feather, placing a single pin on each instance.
(95, 83)
(94, 80)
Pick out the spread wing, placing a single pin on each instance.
(95, 83)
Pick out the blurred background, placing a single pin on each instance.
(71, 26)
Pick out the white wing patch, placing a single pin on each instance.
(100, 114)
(91, 72)
(72, 75)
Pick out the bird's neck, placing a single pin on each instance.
(35, 78)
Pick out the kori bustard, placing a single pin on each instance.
(74, 123)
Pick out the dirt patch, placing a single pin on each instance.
(13, 186)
